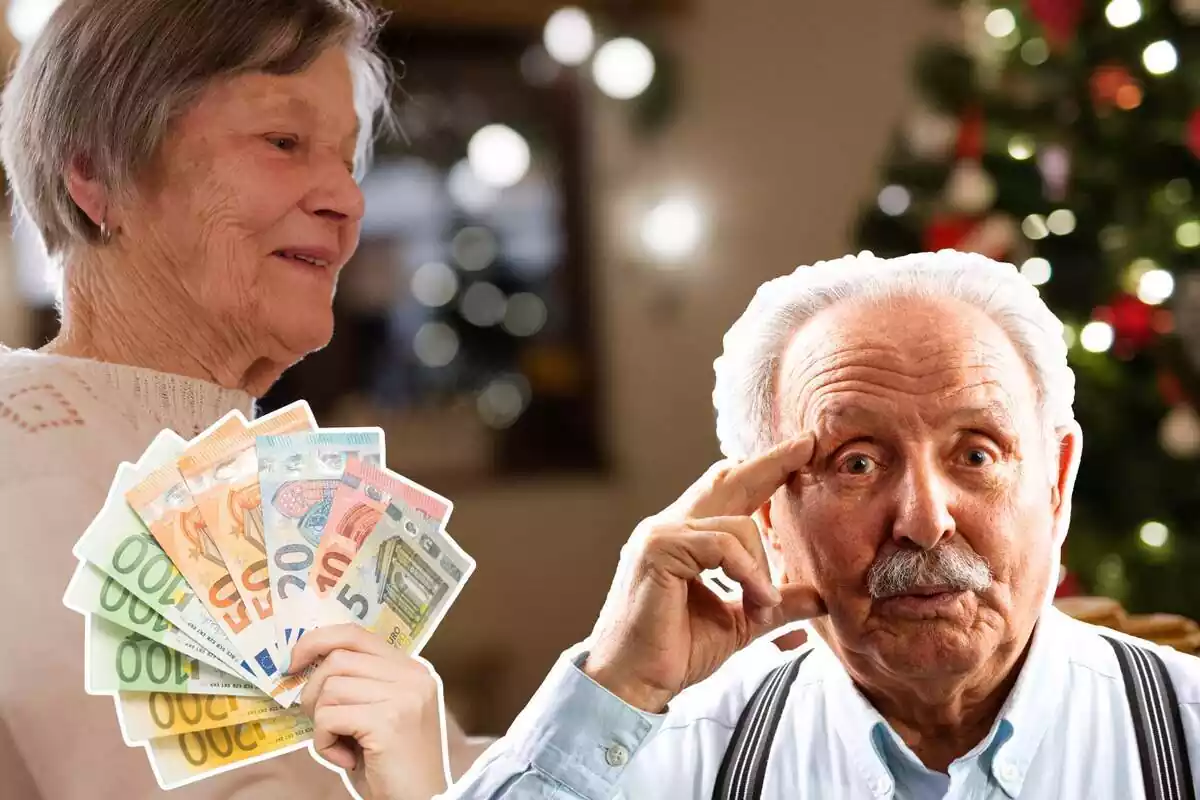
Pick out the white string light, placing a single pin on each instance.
(1160, 57)
(499, 156)
(1123, 13)
(1154, 534)
(1155, 286)
(671, 231)
(569, 37)
(623, 68)
(1096, 337)
(26, 18)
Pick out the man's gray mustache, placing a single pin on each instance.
(907, 569)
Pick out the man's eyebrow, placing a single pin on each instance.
(994, 411)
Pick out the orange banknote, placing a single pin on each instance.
(169, 511)
(221, 471)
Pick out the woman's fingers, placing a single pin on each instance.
(343, 690)
(315, 645)
(349, 663)
(335, 728)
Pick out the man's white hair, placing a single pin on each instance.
(747, 371)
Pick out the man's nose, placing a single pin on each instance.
(923, 515)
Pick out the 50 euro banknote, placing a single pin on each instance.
(183, 758)
(221, 473)
(169, 511)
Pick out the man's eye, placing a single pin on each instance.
(859, 464)
(285, 143)
(977, 457)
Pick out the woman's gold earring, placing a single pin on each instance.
(105, 232)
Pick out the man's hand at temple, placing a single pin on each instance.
(661, 629)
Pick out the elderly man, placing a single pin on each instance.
(902, 454)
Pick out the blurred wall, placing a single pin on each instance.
(786, 110)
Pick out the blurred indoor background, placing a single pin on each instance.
(583, 199)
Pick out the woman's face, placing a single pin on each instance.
(253, 207)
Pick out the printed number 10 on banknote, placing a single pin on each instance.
(403, 580)
(359, 502)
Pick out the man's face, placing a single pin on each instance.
(931, 470)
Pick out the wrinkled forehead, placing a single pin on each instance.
(907, 360)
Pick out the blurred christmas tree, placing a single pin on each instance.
(1064, 136)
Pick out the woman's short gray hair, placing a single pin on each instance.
(746, 373)
(106, 77)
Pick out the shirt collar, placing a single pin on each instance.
(1008, 749)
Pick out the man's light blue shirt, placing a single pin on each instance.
(1065, 731)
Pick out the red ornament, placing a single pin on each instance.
(1193, 133)
(1069, 586)
(1113, 85)
(1133, 322)
(970, 135)
(946, 233)
(1171, 389)
(1059, 19)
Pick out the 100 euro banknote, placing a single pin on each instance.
(118, 659)
(93, 592)
(120, 545)
(298, 475)
(402, 581)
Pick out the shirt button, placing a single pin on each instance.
(1009, 772)
(616, 756)
(881, 786)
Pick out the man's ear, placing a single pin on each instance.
(1070, 448)
(764, 519)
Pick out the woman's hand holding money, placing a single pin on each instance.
(377, 713)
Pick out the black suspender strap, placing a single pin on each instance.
(745, 764)
(1166, 771)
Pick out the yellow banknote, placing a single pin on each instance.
(221, 472)
(153, 715)
(178, 760)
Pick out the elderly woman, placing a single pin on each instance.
(193, 167)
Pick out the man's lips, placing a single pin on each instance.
(925, 591)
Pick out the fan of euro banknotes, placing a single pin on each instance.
(211, 558)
